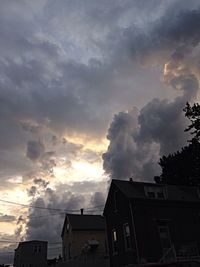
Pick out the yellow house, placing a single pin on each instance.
(83, 237)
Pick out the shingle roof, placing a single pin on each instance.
(84, 222)
(173, 192)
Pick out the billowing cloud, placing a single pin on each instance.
(137, 142)
(65, 69)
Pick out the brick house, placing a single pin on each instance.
(31, 254)
(148, 223)
(83, 237)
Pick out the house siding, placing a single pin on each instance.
(182, 220)
(115, 219)
(31, 254)
(178, 216)
(76, 243)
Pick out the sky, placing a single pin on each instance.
(89, 91)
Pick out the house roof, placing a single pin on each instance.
(35, 242)
(84, 222)
(134, 190)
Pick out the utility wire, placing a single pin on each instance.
(36, 207)
(45, 208)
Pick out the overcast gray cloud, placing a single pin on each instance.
(47, 224)
(134, 151)
(67, 67)
(7, 218)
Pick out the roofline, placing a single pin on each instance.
(112, 181)
(80, 215)
(154, 184)
(92, 215)
(115, 181)
(33, 241)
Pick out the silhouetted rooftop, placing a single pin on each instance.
(84, 222)
(172, 192)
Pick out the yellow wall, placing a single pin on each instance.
(78, 239)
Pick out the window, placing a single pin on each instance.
(165, 239)
(151, 194)
(35, 249)
(114, 241)
(39, 249)
(188, 250)
(127, 236)
(155, 192)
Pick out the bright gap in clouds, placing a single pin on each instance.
(79, 171)
(87, 171)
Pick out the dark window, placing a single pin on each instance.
(188, 250)
(164, 236)
(35, 248)
(114, 241)
(127, 236)
(39, 249)
(155, 192)
(151, 194)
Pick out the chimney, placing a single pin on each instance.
(81, 211)
(131, 179)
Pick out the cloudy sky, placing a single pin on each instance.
(89, 90)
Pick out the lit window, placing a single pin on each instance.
(114, 241)
(127, 236)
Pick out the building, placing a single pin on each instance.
(31, 254)
(83, 237)
(149, 223)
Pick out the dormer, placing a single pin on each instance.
(156, 192)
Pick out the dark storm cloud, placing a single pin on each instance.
(46, 225)
(35, 150)
(161, 123)
(45, 84)
(125, 156)
(67, 68)
(137, 142)
(97, 202)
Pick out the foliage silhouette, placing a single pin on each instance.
(183, 167)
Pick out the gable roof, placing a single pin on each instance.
(84, 222)
(136, 190)
(31, 242)
(133, 189)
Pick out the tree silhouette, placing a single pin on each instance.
(183, 167)
(193, 114)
